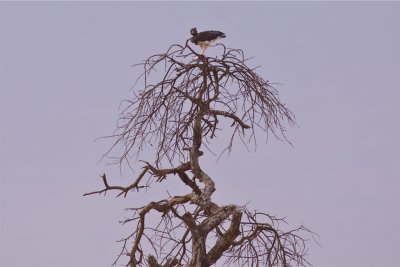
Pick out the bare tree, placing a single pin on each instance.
(179, 115)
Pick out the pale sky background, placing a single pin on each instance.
(64, 68)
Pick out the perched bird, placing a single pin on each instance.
(206, 38)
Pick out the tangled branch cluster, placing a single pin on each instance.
(162, 114)
(178, 115)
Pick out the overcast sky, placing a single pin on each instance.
(65, 67)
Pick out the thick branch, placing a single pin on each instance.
(162, 173)
(229, 115)
(225, 241)
(204, 200)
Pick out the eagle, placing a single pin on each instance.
(205, 39)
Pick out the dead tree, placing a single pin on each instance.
(179, 116)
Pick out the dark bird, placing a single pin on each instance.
(206, 38)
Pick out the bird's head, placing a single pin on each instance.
(193, 31)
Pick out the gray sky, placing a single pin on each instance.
(66, 66)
